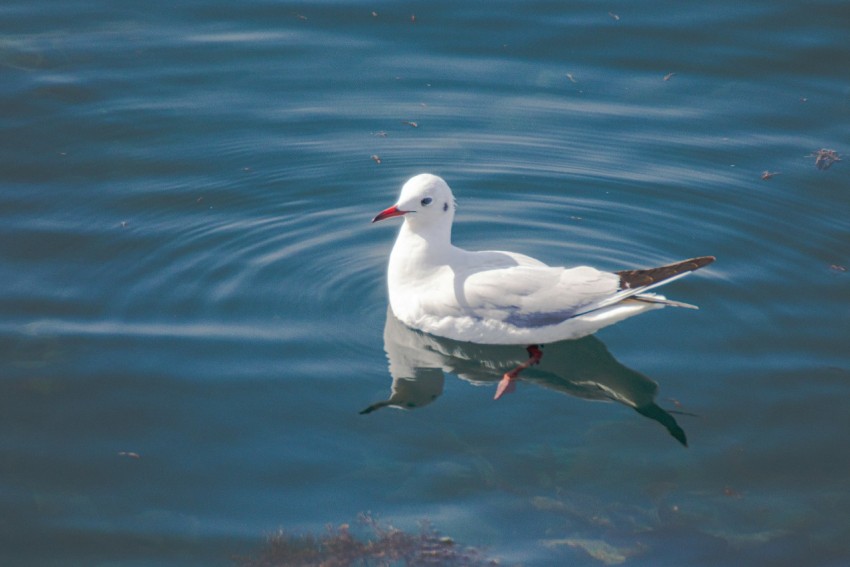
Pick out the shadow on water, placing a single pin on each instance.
(582, 368)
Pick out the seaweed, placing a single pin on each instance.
(383, 546)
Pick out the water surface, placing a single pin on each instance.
(192, 306)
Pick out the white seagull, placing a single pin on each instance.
(495, 297)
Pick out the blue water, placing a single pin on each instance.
(192, 300)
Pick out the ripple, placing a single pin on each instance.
(214, 268)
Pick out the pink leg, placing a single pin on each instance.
(508, 382)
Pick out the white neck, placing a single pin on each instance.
(421, 247)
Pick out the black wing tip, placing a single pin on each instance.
(689, 265)
(702, 261)
(662, 416)
(639, 278)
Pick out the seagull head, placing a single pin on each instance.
(425, 200)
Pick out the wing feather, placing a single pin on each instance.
(536, 295)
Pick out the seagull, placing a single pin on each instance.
(504, 298)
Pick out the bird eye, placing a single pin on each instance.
(426, 201)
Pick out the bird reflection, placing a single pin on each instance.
(583, 368)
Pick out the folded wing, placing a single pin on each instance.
(539, 295)
(535, 296)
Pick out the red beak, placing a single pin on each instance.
(388, 213)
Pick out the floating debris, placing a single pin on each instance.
(738, 539)
(838, 268)
(387, 546)
(376, 158)
(412, 18)
(824, 158)
(374, 14)
(732, 493)
(411, 124)
(598, 549)
(571, 78)
(129, 454)
(614, 16)
(380, 134)
(669, 76)
(765, 175)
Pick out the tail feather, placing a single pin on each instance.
(634, 284)
(653, 298)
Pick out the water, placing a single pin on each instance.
(193, 303)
